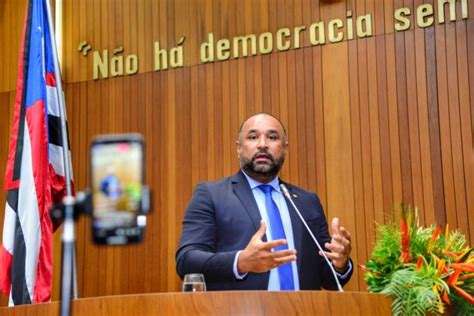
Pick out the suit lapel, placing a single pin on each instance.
(295, 223)
(242, 190)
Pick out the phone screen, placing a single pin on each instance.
(117, 180)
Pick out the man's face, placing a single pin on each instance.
(261, 147)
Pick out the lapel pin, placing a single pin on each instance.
(294, 195)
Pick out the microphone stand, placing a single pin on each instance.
(288, 196)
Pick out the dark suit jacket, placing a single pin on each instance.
(221, 219)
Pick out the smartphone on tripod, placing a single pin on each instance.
(116, 182)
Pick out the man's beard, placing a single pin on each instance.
(262, 170)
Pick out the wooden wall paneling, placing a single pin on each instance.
(292, 127)
(306, 20)
(111, 117)
(258, 85)
(299, 107)
(108, 115)
(171, 176)
(135, 280)
(165, 205)
(195, 135)
(412, 112)
(384, 129)
(149, 251)
(216, 93)
(393, 118)
(470, 160)
(465, 119)
(235, 111)
(202, 130)
(266, 84)
(445, 128)
(277, 79)
(403, 119)
(92, 252)
(250, 84)
(67, 44)
(298, 19)
(144, 40)
(104, 273)
(378, 17)
(228, 133)
(3, 30)
(71, 42)
(270, 21)
(218, 118)
(277, 63)
(107, 20)
(182, 144)
(186, 144)
(234, 88)
(210, 119)
(374, 130)
(86, 22)
(100, 35)
(158, 214)
(319, 125)
(368, 186)
(434, 127)
(359, 233)
(193, 38)
(153, 27)
(255, 63)
(14, 28)
(98, 21)
(83, 234)
(409, 119)
(311, 130)
(455, 123)
(422, 110)
(471, 10)
(338, 139)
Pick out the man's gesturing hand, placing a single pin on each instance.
(258, 255)
(340, 246)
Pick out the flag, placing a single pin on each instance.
(34, 176)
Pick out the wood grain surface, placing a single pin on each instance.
(371, 122)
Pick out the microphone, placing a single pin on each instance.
(288, 196)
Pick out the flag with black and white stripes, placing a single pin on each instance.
(34, 176)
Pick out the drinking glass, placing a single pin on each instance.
(194, 283)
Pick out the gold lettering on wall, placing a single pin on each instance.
(334, 27)
(364, 26)
(283, 39)
(401, 17)
(282, 35)
(424, 15)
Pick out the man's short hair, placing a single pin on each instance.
(263, 113)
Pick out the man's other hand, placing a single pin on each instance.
(340, 246)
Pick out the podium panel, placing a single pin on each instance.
(220, 303)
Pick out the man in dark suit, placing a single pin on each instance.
(225, 232)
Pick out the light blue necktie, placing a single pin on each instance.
(285, 271)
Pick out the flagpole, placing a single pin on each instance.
(68, 228)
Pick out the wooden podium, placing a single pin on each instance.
(220, 303)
